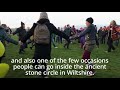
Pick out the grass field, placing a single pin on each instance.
(113, 67)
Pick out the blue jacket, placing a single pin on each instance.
(4, 37)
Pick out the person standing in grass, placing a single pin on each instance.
(42, 31)
(90, 41)
(82, 39)
(100, 35)
(103, 36)
(4, 37)
(52, 40)
(113, 35)
(67, 31)
(21, 31)
(60, 36)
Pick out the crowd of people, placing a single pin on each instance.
(43, 34)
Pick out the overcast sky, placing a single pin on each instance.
(13, 19)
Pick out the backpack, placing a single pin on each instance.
(41, 34)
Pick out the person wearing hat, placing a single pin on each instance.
(21, 31)
(43, 50)
(90, 40)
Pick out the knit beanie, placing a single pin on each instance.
(90, 20)
(43, 15)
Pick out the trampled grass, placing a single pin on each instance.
(112, 71)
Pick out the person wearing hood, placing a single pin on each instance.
(43, 50)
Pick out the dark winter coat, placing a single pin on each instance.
(44, 51)
(21, 32)
(90, 34)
